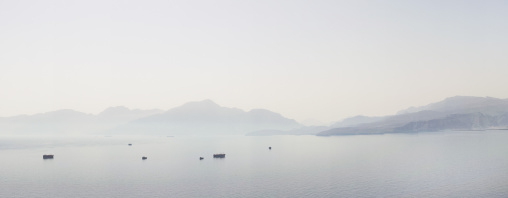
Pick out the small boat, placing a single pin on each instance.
(201, 158)
(47, 156)
(221, 155)
(130, 144)
(144, 158)
(270, 148)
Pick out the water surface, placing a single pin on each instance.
(451, 164)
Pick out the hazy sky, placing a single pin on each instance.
(322, 60)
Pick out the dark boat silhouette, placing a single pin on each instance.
(270, 148)
(144, 158)
(201, 158)
(221, 155)
(47, 156)
(130, 144)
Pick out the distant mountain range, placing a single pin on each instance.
(71, 122)
(455, 113)
(193, 118)
(208, 118)
(304, 130)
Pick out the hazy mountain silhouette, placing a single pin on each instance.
(70, 122)
(54, 122)
(463, 104)
(193, 118)
(120, 115)
(356, 120)
(470, 121)
(206, 118)
(306, 130)
(455, 113)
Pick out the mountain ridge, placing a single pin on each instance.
(68, 121)
(453, 113)
(207, 118)
(192, 118)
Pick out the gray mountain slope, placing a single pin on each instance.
(306, 130)
(464, 104)
(206, 118)
(356, 120)
(470, 121)
(455, 113)
(70, 122)
(54, 122)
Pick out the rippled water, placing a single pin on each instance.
(445, 164)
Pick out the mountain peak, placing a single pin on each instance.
(208, 118)
(201, 104)
(455, 103)
(115, 110)
(467, 98)
(209, 102)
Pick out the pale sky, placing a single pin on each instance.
(321, 60)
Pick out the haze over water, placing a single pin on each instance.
(115, 67)
(444, 164)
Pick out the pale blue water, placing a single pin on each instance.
(445, 164)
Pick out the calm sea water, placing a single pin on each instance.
(444, 164)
